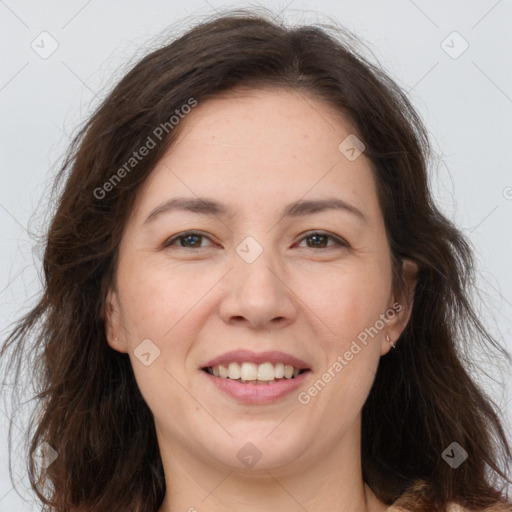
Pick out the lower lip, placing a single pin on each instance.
(257, 393)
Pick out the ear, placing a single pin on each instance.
(400, 308)
(113, 322)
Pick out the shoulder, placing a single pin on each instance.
(454, 507)
(414, 499)
(498, 507)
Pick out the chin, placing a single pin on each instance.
(259, 449)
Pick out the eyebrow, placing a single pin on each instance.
(209, 207)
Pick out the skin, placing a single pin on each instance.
(256, 151)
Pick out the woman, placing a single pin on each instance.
(251, 300)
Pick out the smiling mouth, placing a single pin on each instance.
(252, 373)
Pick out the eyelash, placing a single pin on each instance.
(339, 241)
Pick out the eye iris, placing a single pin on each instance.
(316, 237)
(188, 237)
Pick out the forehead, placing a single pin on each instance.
(249, 146)
(275, 117)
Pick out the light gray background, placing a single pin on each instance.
(466, 103)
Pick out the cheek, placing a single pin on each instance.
(349, 301)
(358, 298)
(157, 304)
(156, 297)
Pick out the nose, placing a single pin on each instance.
(257, 294)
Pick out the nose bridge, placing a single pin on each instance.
(256, 268)
(256, 290)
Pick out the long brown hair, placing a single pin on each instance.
(90, 408)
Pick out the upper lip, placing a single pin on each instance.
(241, 356)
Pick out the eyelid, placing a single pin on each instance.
(340, 242)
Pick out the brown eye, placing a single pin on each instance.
(319, 240)
(189, 240)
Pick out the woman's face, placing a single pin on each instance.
(273, 276)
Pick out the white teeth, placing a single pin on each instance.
(252, 373)
(234, 371)
(279, 370)
(248, 371)
(265, 372)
